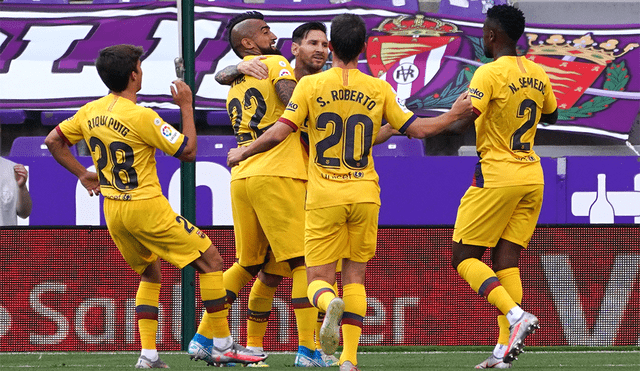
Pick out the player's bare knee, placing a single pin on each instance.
(269, 279)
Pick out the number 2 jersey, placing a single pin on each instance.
(345, 109)
(509, 95)
(123, 138)
(253, 107)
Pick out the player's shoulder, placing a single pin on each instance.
(276, 60)
(532, 65)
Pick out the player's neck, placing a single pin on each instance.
(299, 71)
(509, 51)
(337, 62)
(132, 96)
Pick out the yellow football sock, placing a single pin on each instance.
(235, 278)
(214, 298)
(483, 280)
(147, 301)
(320, 293)
(355, 308)
(306, 314)
(258, 311)
(510, 280)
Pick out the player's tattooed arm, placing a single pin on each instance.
(253, 67)
(284, 88)
(227, 75)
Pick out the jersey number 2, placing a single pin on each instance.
(526, 105)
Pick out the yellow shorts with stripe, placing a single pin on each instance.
(268, 214)
(145, 230)
(341, 232)
(486, 215)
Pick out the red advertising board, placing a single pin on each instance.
(69, 289)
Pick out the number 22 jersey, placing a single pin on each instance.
(123, 138)
(509, 95)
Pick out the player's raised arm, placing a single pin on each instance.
(183, 97)
(253, 67)
(461, 114)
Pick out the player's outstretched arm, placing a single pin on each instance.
(386, 132)
(63, 155)
(254, 67)
(271, 138)
(425, 127)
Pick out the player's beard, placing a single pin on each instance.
(270, 51)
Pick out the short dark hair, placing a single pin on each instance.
(303, 30)
(510, 18)
(348, 34)
(115, 64)
(237, 19)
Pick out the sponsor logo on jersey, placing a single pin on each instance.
(285, 72)
(292, 106)
(200, 233)
(282, 64)
(358, 174)
(475, 93)
(157, 121)
(169, 133)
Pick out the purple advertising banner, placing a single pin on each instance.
(603, 190)
(415, 190)
(47, 55)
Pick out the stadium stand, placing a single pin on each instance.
(218, 118)
(36, 1)
(53, 118)
(172, 116)
(10, 116)
(120, 1)
(215, 145)
(32, 147)
(400, 146)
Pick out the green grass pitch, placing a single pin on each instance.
(370, 359)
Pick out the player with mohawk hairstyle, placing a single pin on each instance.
(267, 193)
(344, 109)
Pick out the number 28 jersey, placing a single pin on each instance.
(123, 138)
(344, 109)
(509, 95)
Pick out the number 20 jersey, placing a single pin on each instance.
(123, 138)
(509, 95)
(345, 109)
(254, 106)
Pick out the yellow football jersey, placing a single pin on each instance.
(509, 95)
(123, 138)
(253, 107)
(344, 109)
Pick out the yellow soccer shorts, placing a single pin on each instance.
(145, 230)
(341, 232)
(268, 212)
(486, 215)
